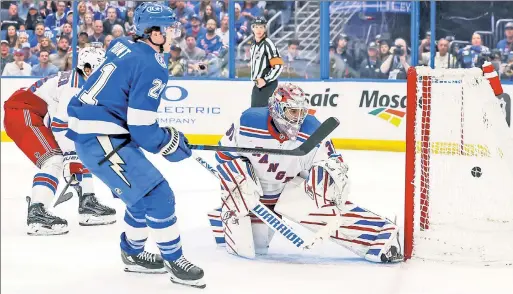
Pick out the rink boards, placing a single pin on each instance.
(372, 114)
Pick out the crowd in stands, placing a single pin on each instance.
(36, 40)
(384, 58)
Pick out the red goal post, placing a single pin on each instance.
(459, 169)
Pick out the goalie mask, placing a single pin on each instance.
(288, 108)
(89, 59)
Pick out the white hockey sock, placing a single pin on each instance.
(46, 181)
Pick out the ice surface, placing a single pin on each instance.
(87, 259)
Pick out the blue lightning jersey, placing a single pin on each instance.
(122, 97)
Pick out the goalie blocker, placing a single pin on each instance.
(309, 190)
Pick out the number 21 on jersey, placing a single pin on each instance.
(89, 96)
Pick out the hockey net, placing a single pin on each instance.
(456, 127)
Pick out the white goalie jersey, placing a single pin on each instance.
(254, 130)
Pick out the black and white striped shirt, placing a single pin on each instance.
(266, 61)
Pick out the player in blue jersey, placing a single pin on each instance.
(119, 104)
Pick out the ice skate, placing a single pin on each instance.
(392, 255)
(93, 213)
(185, 273)
(42, 223)
(144, 262)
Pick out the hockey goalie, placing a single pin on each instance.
(311, 191)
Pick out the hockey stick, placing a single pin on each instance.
(63, 197)
(272, 220)
(320, 134)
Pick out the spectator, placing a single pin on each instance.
(177, 63)
(44, 68)
(210, 42)
(384, 50)
(22, 38)
(12, 19)
(224, 31)
(196, 29)
(183, 13)
(250, 10)
(68, 61)
(191, 52)
(5, 55)
(470, 55)
(106, 42)
(270, 10)
(241, 24)
(506, 69)
(69, 17)
(82, 10)
(29, 58)
(24, 8)
(88, 25)
(342, 49)
(59, 58)
(97, 38)
(291, 67)
(506, 44)
(83, 40)
(100, 10)
(396, 65)
(370, 65)
(111, 20)
(129, 22)
(45, 44)
(67, 32)
(12, 36)
(425, 44)
(180, 40)
(39, 32)
(18, 67)
(32, 19)
(209, 13)
(117, 31)
(222, 7)
(443, 59)
(47, 7)
(57, 19)
(201, 7)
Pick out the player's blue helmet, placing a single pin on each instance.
(150, 14)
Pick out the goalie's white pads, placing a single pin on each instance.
(232, 232)
(328, 183)
(240, 188)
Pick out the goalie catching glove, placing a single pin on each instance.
(73, 169)
(177, 148)
(241, 190)
(328, 183)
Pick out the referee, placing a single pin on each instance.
(266, 64)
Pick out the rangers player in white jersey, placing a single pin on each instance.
(311, 190)
(36, 120)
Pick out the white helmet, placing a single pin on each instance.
(288, 108)
(92, 56)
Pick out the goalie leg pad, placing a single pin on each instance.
(367, 234)
(216, 225)
(240, 188)
(238, 234)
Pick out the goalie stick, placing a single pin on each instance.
(275, 222)
(320, 134)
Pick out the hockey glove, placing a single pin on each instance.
(73, 169)
(177, 148)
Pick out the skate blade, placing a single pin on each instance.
(142, 270)
(194, 283)
(93, 220)
(39, 230)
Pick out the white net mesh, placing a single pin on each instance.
(460, 129)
